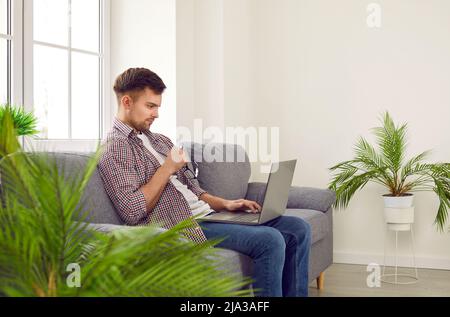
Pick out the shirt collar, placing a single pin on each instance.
(123, 127)
(127, 130)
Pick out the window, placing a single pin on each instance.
(65, 67)
(5, 51)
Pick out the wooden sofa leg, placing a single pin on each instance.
(320, 281)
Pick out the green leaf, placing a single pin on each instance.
(24, 123)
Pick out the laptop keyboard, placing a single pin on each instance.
(247, 217)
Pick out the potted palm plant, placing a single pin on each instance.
(387, 166)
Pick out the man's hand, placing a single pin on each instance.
(153, 189)
(175, 160)
(242, 204)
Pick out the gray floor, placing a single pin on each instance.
(351, 281)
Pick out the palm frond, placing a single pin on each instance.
(392, 143)
(346, 190)
(414, 165)
(369, 159)
(172, 266)
(345, 171)
(367, 152)
(8, 140)
(442, 189)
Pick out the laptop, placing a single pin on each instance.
(275, 199)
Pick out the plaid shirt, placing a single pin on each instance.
(126, 165)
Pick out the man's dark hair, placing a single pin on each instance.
(134, 80)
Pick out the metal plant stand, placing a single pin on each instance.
(394, 278)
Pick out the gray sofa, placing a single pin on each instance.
(312, 205)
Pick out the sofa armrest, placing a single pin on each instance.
(299, 197)
(311, 198)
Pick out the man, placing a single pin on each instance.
(145, 177)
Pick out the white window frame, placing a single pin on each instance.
(15, 67)
(67, 145)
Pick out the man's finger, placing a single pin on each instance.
(254, 206)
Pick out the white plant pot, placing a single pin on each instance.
(399, 212)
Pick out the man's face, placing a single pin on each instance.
(144, 110)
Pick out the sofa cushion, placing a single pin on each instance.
(236, 262)
(223, 169)
(317, 220)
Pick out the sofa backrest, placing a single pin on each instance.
(95, 200)
(223, 169)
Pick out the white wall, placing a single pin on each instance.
(317, 71)
(185, 67)
(200, 65)
(143, 34)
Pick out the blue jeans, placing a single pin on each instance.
(279, 249)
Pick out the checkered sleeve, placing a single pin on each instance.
(121, 182)
(195, 188)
